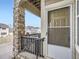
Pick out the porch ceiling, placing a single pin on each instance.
(32, 5)
(36, 3)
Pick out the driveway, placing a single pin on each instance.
(6, 51)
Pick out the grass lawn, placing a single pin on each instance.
(6, 39)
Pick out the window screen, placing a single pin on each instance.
(59, 27)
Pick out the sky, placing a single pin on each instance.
(31, 19)
(6, 15)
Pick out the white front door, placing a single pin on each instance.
(59, 33)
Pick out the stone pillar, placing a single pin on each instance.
(19, 27)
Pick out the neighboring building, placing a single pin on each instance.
(32, 30)
(4, 30)
(11, 31)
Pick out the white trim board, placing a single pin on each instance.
(58, 5)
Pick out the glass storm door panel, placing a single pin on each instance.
(59, 34)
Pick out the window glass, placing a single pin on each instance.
(59, 17)
(3, 28)
(59, 36)
(59, 27)
(3, 33)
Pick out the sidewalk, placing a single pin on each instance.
(6, 51)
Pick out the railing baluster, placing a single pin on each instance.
(32, 45)
(42, 47)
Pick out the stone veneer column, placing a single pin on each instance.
(19, 27)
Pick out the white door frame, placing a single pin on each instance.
(59, 5)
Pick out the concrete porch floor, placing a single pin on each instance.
(26, 55)
(6, 53)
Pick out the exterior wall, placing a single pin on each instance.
(4, 31)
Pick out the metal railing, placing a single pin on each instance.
(34, 35)
(32, 45)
